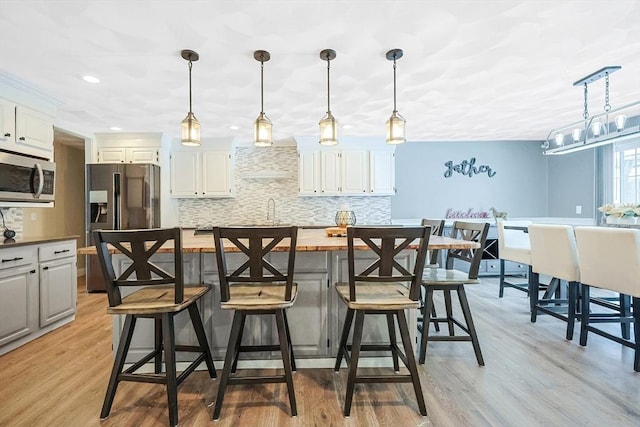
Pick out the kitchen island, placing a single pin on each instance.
(316, 317)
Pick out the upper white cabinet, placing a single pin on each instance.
(123, 147)
(25, 130)
(346, 172)
(382, 172)
(128, 155)
(201, 174)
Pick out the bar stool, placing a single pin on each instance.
(433, 261)
(554, 253)
(255, 287)
(514, 246)
(610, 259)
(162, 297)
(448, 279)
(385, 288)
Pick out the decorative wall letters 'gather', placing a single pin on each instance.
(467, 168)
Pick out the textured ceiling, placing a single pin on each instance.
(472, 70)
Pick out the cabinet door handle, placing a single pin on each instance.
(22, 138)
(7, 134)
(45, 268)
(13, 259)
(32, 272)
(61, 252)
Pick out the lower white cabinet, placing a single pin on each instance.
(38, 290)
(18, 294)
(58, 288)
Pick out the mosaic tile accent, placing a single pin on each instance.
(13, 220)
(249, 206)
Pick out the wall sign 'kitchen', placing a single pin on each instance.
(467, 168)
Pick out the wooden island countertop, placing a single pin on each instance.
(309, 240)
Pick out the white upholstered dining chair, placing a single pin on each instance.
(514, 246)
(554, 254)
(610, 259)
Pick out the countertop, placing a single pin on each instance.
(309, 240)
(11, 243)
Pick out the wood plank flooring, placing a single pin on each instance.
(532, 377)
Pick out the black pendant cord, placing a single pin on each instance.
(328, 86)
(261, 87)
(394, 84)
(190, 109)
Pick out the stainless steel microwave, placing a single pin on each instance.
(26, 179)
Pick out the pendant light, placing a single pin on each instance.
(396, 123)
(190, 125)
(328, 124)
(262, 125)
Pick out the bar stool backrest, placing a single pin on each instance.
(387, 243)
(471, 231)
(437, 227)
(554, 252)
(255, 243)
(139, 246)
(609, 258)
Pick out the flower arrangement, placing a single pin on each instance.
(625, 210)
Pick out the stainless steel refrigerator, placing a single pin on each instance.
(119, 197)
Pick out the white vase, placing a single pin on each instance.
(610, 219)
(628, 220)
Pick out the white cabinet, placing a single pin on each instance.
(26, 130)
(382, 172)
(58, 281)
(201, 174)
(128, 155)
(346, 172)
(18, 294)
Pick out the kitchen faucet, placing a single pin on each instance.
(271, 213)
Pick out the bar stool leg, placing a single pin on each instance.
(501, 293)
(571, 309)
(236, 350)
(286, 326)
(158, 344)
(286, 359)
(533, 295)
(448, 307)
(353, 365)
(425, 331)
(118, 364)
(170, 367)
(234, 337)
(584, 320)
(202, 339)
(411, 361)
(343, 340)
(636, 332)
(466, 311)
(625, 311)
(393, 342)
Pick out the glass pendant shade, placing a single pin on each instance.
(190, 130)
(262, 131)
(395, 129)
(328, 130)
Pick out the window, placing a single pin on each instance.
(626, 177)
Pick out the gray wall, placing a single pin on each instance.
(519, 186)
(571, 183)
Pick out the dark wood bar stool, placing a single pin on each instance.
(162, 297)
(383, 288)
(433, 261)
(256, 287)
(449, 279)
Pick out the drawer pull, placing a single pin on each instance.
(61, 252)
(13, 259)
(32, 272)
(45, 268)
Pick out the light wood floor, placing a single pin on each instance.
(532, 377)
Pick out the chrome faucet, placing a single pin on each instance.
(271, 212)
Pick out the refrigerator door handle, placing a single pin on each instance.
(116, 201)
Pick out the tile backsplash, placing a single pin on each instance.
(249, 206)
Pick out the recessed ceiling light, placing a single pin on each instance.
(91, 79)
(115, 128)
(234, 127)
